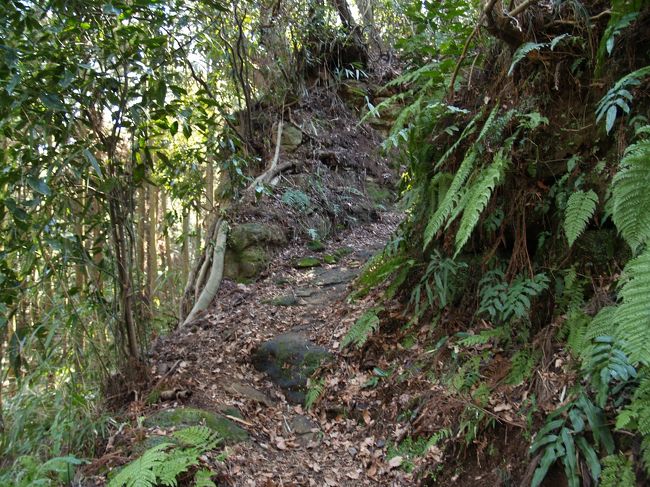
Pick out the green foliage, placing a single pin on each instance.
(478, 196)
(605, 362)
(617, 472)
(380, 268)
(437, 284)
(623, 14)
(502, 301)
(411, 448)
(630, 198)
(580, 208)
(564, 438)
(633, 313)
(362, 328)
(297, 199)
(619, 97)
(162, 464)
(315, 390)
(528, 47)
(30, 471)
(522, 366)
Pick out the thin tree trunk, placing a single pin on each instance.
(124, 277)
(152, 251)
(185, 254)
(141, 227)
(211, 287)
(209, 184)
(167, 264)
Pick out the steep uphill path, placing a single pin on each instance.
(287, 446)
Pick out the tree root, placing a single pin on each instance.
(215, 262)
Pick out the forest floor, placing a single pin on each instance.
(288, 446)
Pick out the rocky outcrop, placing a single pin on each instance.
(250, 248)
(289, 360)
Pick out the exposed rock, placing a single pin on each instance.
(291, 138)
(307, 262)
(286, 300)
(185, 417)
(306, 430)
(250, 249)
(337, 275)
(249, 392)
(289, 360)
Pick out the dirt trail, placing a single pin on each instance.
(288, 446)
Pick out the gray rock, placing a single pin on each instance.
(289, 360)
(337, 275)
(291, 138)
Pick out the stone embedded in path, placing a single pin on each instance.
(289, 360)
(185, 417)
(337, 275)
(249, 392)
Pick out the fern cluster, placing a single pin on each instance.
(502, 301)
(162, 464)
(362, 329)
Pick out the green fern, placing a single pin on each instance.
(580, 208)
(630, 195)
(479, 196)
(162, 464)
(503, 302)
(199, 437)
(142, 472)
(522, 366)
(619, 97)
(605, 362)
(617, 472)
(203, 478)
(362, 328)
(448, 202)
(633, 314)
(529, 47)
(315, 390)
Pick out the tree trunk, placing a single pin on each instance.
(214, 252)
(152, 251)
(185, 254)
(141, 229)
(125, 290)
(166, 263)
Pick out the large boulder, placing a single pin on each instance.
(250, 249)
(289, 360)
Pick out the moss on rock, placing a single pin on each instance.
(185, 417)
(290, 359)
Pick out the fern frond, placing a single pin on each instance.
(617, 471)
(362, 329)
(630, 195)
(200, 437)
(203, 478)
(177, 462)
(141, 472)
(580, 208)
(632, 316)
(479, 196)
(447, 204)
(314, 392)
(603, 324)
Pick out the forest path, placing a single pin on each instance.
(288, 445)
